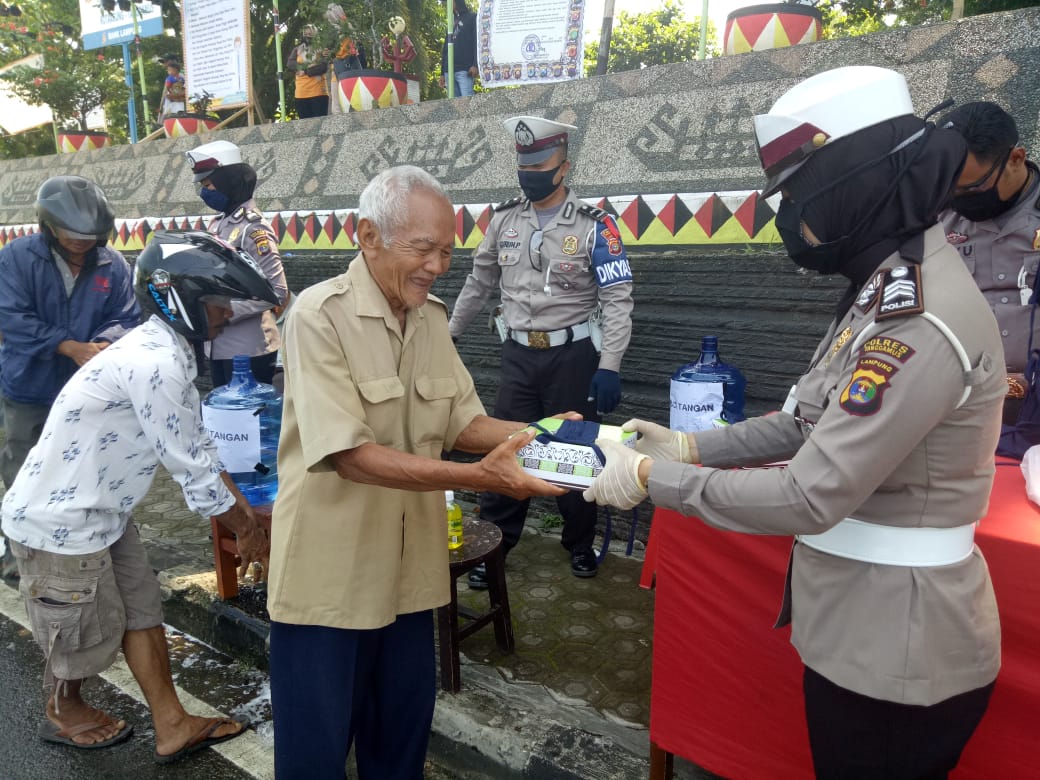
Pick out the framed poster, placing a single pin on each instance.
(216, 51)
(530, 41)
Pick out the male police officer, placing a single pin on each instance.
(559, 263)
(994, 221)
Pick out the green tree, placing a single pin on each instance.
(656, 37)
(72, 82)
(843, 18)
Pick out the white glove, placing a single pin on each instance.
(618, 484)
(658, 442)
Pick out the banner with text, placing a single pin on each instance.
(108, 28)
(216, 50)
(530, 41)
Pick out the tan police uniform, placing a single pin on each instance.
(553, 285)
(1002, 255)
(252, 330)
(894, 425)
(346, 554)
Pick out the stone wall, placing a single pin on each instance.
(668, 149)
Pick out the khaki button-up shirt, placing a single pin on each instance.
(346, 554)
(878, 435)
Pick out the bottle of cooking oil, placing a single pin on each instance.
(454, 521)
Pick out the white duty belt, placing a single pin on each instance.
(893, 546)
(544, 339)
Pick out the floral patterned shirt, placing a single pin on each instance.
(128, 409)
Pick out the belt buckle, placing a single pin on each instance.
(538, 339)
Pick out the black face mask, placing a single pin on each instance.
(827, 257)
(538, 185)
(980, 206)
(823, 258)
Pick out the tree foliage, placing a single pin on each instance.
(656, 37)
(72, 81)
(844, 18)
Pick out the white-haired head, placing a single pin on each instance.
(384, 202)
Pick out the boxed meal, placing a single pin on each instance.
(563, 452)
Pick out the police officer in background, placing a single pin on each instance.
(227, 185)
(890, 435)
(562, 270)
(994, 222)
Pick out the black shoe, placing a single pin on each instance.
(478, 578)
(583, 563)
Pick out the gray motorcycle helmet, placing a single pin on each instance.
(75, 205)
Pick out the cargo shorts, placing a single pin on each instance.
(80, 606)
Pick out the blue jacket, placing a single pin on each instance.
(36, 315)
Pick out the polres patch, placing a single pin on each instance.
(894, 348)
(955, 238)
(511, 233)
(870, 379)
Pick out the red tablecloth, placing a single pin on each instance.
(726, 690)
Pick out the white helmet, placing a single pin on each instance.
(822, 109)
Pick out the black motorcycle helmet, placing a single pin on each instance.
(77, 206)
(177, 271)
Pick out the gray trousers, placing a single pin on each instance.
(23, 424)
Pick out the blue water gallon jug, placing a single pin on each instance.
(244, 419)
(706, 393)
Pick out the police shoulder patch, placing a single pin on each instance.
(884, 345)
(510, 203)
(863, 394)
(868, 295)
(596, 213)
(900, 293)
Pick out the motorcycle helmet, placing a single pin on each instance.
(178, 271)
(76, 206)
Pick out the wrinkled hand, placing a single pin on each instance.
(618, 484)
(658, 442)
(501, 473)
(605, 390)
(254, 549)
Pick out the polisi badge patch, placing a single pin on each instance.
(900, 293)
(864, 392)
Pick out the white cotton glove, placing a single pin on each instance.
(658, 442)
(618, 484)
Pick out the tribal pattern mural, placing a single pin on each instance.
(668, 220)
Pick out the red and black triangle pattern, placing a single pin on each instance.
(668, 219)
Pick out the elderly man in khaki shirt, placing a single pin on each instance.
(374, 392)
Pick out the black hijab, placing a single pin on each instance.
(236, 182)
(882, 199)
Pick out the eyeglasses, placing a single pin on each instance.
(535, 248)
(979, 184)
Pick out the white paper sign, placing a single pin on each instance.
(695, 405)
(529, 41)
(236, 432)
(216, 49)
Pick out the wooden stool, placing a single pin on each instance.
(225, 553)
(482, 543)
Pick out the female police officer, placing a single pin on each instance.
(890, 435)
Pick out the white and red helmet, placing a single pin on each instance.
(822, 109)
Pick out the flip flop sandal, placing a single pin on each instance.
(203, 739)
(51, 732)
